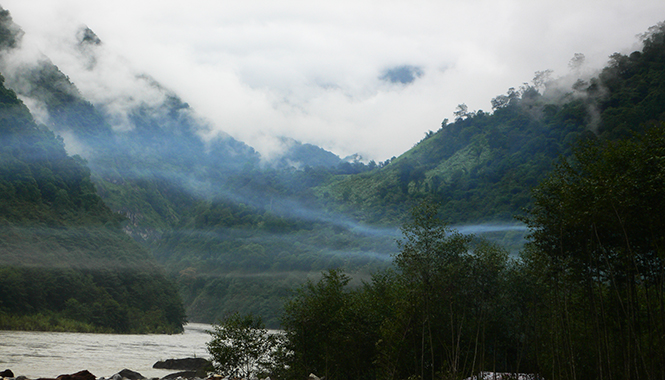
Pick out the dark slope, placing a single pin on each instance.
(64, 260)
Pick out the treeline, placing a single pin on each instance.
(444, 312)
(585, 299)
(130, 300)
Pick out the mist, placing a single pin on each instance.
(478, 229)
(312, 72)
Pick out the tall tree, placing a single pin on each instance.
(598, 238)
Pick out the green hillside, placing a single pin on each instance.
(483, 166)
(64, 260)
(237, 233)
(209, 211)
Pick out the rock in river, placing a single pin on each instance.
(187, 364)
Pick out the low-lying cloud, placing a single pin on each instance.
(368, 77)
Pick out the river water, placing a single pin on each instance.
(49, 354)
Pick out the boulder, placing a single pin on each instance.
(80, 375)
(7, 373)
(129, 374)
(184, 375)
(186, 364)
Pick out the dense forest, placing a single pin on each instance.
(583, 300)
(66, 264)
(236, 232)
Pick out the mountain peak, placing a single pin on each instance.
(10, 33)
(85, 36)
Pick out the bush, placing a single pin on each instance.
(241, 346)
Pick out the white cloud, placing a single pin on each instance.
(310, 70)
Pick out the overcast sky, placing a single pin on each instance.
(367, 77)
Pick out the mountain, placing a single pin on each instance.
(298, 155)
(207, 207)
(64, 260)
(482, 166)
(237, 232)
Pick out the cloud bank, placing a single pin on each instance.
(368, 77)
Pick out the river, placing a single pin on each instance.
(49, 354)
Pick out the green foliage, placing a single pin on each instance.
(235, 257)
(445, 314)
(62, 251)
(480, 168)
(47, 322)
(630, 91)
(241, 346)
(596, 252)
(329, 330)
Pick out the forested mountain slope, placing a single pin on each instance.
(64, 260)
(482, 166)
(207, 208)
(237, 232)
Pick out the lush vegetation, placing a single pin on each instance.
(596, 261)
(241, 346)
(584, 299)
(446, 311)
(64, 260)
(237, 233)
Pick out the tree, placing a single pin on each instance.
(575, 64)
(431, 256)
(541, 78)
(597, 245)
(241, 346)
(329, 330)
(446, 318)
(462, 112)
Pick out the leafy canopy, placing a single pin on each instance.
(241, 346)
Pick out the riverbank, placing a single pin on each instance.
(47, 354)
(125, 374)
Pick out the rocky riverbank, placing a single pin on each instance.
(125, 374)
(188, 369)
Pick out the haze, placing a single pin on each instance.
(367, 77)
